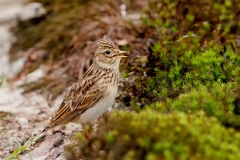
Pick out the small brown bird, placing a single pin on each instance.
(94, 93)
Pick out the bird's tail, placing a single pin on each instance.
(48, 127)
(42, 134)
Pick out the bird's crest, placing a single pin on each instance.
(107, 44)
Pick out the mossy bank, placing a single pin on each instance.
(152, 136)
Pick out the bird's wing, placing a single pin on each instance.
(83, 95)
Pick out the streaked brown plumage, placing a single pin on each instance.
(94, 93)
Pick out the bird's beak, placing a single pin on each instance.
(121, 52)
(121, 56)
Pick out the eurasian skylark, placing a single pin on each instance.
(94, 93)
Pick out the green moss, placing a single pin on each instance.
(220, 101)
(191, 48)
(173, 69)
(186, 16)
(150, 135)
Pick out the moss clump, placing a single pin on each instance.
(220, 101)
(179, 67)
(179, 17)
(191, 46)
(151, 136)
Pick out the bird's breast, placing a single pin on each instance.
(103, 104)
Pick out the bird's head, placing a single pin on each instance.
(108, 55)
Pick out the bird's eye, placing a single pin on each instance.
(107, 52)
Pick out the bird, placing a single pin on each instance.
(93, 94)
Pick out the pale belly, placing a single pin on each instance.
(93, 113)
